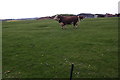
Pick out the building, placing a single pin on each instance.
(87, 15)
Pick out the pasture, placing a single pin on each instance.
(41, 49)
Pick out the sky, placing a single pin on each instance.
(14, 9)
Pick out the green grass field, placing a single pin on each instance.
(41, 49)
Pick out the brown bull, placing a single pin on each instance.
(64, 20)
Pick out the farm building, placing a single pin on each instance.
(110, 15)
(100, 15)
(87, 15)
(106, 15)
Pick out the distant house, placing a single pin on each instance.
(100, 15)
(87, 15)
(112, 15)
(109, 15)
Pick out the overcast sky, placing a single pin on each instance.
(39, 8)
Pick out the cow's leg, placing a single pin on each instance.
(75, 25)
(62, 25)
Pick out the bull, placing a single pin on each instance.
(64, 20)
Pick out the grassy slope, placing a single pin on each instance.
(40, 49)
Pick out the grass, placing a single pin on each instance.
(41, 49)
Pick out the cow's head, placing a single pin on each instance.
(57, 17)
(81, 17)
